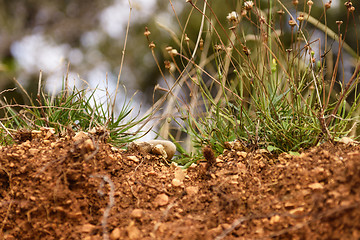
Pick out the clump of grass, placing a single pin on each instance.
(70, 111)
(74, 110)
(259, 77)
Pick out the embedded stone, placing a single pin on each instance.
(161, 200)
(164, 148)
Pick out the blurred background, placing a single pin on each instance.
(47, 35)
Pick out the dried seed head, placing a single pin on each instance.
(167, 64)
(280, 12)
(168, 48)
(292, 23)
(174, 52)
(339, 23)
(246, 51)
(348, 4)
(262, 19)
(328, 5)
(243, 12)
(248, 5)
(147, 32)
(201, 44)
(218, 48)
(295, 2)
(300, 18)
(152, 45)
(172, 67)
(310, 3)
(188, 1)
(233, 17)
(187, 39)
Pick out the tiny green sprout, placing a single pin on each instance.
(220, 75)
(312, 53)
(273, 65)
(318, 65)
(169, 119)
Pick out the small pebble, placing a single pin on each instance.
(115, 234)
(137, 213)
(161, 200)
(132, 231)
(176, 182)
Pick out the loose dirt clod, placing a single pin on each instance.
(209, 156)
(115, 234)
(132, 231)
(161, 200)
(137, 213)
(176, 182)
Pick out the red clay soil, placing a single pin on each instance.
(59, 188)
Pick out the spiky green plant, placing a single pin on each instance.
(71, 110)
(251, 79)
